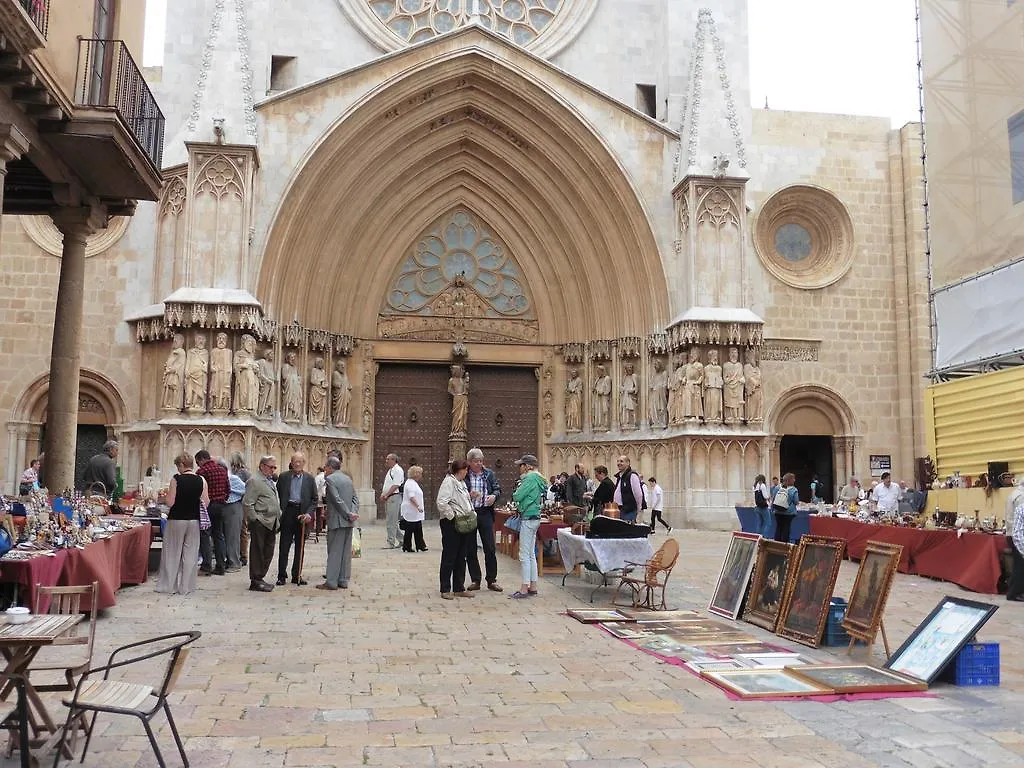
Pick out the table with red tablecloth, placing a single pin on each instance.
(972, 560)
(548, 531)
(121, 559)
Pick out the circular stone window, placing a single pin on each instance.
(804, 237)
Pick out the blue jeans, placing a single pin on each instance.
(765, 515)
(528, 549)
(629, 517)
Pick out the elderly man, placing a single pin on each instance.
(484, 490)
(391, 497)
(296, 490)
(102, 469)
(263, 512)
(629, 490)
(850, 493)
(577, 487)
(342, 514)
(887, 495)
(1015, 538)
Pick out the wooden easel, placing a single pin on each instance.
(868, 638)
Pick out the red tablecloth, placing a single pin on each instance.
(972, 560)
(546, 532)
(121, 559)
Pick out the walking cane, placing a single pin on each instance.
(302, 546)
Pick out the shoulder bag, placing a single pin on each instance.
(465, 522)
(781, 498)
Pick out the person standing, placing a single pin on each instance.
(342, 514)
(886, 495)
(484, 491)
(29, 479)
(629, 491)
(238, 468)
(815, 490)
(784, 506)
(762, 501)
(453, 499)
(262, 506)
(412, 510)
(605, 490)
(576, 487)
(102, 469)
(391, 496)
(181, 536)
(850, 493)
(216, 478)
(657, 497)
(296, 490)
(528, 496)
(1015, 538)
(233, 519)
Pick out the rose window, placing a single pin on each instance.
(414, 21)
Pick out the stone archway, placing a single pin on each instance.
(101, 412)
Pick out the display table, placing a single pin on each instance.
(750, 522)
(605, 556)
(547, 532)
(972, 560)
(121, 559)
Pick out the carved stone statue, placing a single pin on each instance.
(341, 394)
(246, 387)
(318, 392)
(657, 401)
(458, 388)
(197, 369)
(629, 393)
(732, 394)
(602, 400)
(267, 384)
(291, 389)
(220, 375)
(677, 394)
(752, 388)
(174, 374)
(713, 389)
(693, 392)
(574, 402)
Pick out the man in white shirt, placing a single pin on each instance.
(1015, 536)
(391, 496)
(887, 495)
(657, 503)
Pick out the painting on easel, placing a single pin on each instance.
(871, 592)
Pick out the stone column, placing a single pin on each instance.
(76, 224)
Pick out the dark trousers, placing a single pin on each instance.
(782, 523)
(656, 518)
(454, 548)
(485, 525)
(1016, 586)
(413, 529)
(291, 531)
(212, 545)
(261, 550)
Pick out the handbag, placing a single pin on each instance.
(204, 517)
(465, 522)
(357, 542)
(781, 498)
(514, 523)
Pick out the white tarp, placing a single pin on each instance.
(981, 317)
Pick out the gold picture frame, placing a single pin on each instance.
(870, 592)
(859, 678)
(804, 611)
(764, 683)
(772, 574)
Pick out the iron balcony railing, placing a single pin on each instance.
(39, 12)
(109, 77)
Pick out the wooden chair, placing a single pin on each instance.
(67, 601)
(654, 576)
(119, 697)
(14, 716)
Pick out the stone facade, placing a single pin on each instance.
(292, 223)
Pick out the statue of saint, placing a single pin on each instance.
(574, 402)
(602, 400)
(291, 389)
(693, 393)
(246, 388)
(752, 387)
(677, 393)
(318, 392)
(657, 402)
(732, 375)
(341, 394)
(197, 368)
(220, 375)
(174, 374)
(267, 384)
(713, 389)
(458, 388)
(629, 393)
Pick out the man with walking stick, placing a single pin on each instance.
(296, 489)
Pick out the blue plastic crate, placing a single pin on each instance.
(834, 633)
(976, 664)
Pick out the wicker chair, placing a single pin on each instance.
(117, 697)
(654, 576)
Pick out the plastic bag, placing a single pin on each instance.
(357, 542)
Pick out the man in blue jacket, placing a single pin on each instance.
(484, 491)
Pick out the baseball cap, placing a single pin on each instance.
(528, 459)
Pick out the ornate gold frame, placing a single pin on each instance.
(751, 613)
(866, 631)
(781, 630)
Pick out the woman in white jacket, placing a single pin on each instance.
(412, 510)
(452, 498)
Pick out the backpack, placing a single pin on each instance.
(759, 500)
(781, 499)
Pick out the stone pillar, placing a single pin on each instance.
(76, 224)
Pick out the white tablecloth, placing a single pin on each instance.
(607, 554)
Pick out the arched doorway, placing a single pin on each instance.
(812, 435)
(101, 412)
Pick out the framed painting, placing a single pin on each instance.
(623, 629)
(772, 660)
(731, 649)
(804, 609)
(764, 683)
(642, 616)
(859, 678)
(871, 589)
(768, 586)
(939, 638)
(735, 575)
(588, 616)
(713, 665)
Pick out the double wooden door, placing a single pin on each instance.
(413, 419)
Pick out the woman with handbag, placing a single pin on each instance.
(458, 530)
(528, 497)
(761, 504)
(186, 494)
(784, 507)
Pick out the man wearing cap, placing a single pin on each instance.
(528, 496)
(484, 490)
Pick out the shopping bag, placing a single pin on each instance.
(357, 542)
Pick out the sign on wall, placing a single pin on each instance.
(880, 462)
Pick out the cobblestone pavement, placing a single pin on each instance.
(386, 673)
